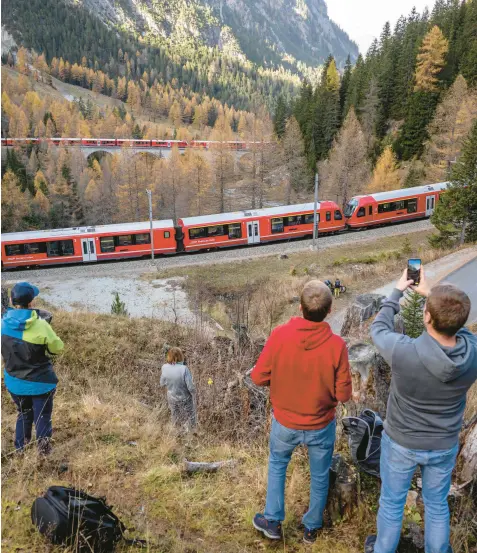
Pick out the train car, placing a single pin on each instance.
(64, 141)
(201, 144)
(258, 226)
(19, 141)
(108, 142)
(394, 206)
(86, 244)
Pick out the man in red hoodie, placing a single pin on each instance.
(307, 369)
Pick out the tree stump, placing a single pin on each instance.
(343, 492)
(363, 308)
(371, 378)
(468, 454)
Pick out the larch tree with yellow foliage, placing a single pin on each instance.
(15, 204)
(430, 61)
(386, 175)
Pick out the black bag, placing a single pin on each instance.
(70, 517)
(364, 438)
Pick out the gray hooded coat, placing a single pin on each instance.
(429, 382)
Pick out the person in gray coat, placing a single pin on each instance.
(430, 379)
(180, 390)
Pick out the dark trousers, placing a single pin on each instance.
(38, 410)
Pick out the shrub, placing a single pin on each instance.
(118, 307)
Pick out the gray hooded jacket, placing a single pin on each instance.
(178, 380)
(429, 382)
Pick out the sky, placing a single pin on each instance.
(363, 20)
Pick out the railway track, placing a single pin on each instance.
(129, 268)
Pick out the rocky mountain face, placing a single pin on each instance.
(291, 33)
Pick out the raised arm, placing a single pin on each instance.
(53, 343)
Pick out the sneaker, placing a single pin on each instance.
(369, 544)
(310, 535)
(272, 529)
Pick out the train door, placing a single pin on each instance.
(430, 204)
(253, 232)
(89, 250)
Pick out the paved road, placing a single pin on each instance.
(466, 278)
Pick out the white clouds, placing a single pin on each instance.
(363, 20)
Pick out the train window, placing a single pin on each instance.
(14, 249)
(235, 230)
(338, 215)
(309, 218)
(370, 210)
(57, 248)
(399, 204)
(167, 234)
(328, 215)
(107, 244)
(217, 230)
(85, 248)
(350, 207)
(195, 233)
(293, 220)
(124, 240)
(277, 225)
(412, 205)
(35, 247)
(143, 238)
(385, 208)
(361, 212)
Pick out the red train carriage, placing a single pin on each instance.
(258, 226)
(19, 141)
(86, 244)
(394, 206)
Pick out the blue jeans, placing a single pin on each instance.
(398, 465)
(33, 409)
(283, 441)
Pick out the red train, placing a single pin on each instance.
(129, 143)
(73, 245)
(392, 207)
(127, 240)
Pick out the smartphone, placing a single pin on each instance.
(414, 270)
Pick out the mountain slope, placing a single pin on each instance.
(267, 32)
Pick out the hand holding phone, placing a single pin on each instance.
(414, 270)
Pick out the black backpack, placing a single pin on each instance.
(364, 438)
(70, 517)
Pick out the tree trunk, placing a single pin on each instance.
(191, 467)
(343, 492)
(468, 453)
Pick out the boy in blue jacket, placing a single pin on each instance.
(27, 342)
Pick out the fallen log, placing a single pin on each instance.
(191, 467)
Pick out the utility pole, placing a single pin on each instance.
(315, 213)
(149, 197)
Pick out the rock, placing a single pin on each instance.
(363, 308)
(295, 299)
(283, 256)
(5, 299)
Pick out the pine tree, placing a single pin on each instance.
(412, 314)
(344, 87)
(455, 216)
(118, 307)
(297, 176)
(386, 174)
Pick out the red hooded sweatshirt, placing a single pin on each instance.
(307, 369)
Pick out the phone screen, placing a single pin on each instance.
(414, 270)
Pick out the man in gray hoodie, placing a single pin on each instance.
(430, 379)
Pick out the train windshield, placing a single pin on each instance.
(351, 206)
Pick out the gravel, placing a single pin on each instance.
(134, 268)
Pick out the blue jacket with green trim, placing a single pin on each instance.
(27, 342)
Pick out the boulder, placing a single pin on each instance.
(363, 308)
(468, 454)
(283, 256)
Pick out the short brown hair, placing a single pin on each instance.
(449, 308)
(175, 355)
(316, 300)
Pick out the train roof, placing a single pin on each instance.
(404, 192)
(250, 214)
(78, 231)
